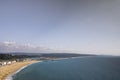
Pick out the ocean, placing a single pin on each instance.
(83, 68)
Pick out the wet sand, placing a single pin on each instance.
(10, 69)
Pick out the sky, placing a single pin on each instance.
(80, 26)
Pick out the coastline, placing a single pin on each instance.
(21, 65)
(9, 77)
(6, 72)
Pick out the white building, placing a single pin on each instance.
(4, 63)
(9, 62)
(13, 61)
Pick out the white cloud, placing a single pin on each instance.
(14, 47)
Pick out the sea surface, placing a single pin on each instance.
(83, 68)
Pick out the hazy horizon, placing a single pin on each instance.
(79, 26)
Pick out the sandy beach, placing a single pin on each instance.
(9, 69)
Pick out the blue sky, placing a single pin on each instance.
(83, 26)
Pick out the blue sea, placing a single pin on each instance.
(83, 68)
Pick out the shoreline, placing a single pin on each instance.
(9, 77)
(6, 72)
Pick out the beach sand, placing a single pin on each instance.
(9, 69)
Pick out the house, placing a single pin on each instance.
(4, 63)
(13, 61)
(9, 62)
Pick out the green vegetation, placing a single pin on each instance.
(14, 56)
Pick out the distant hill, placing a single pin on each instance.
(8, 56)
(64, 55)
